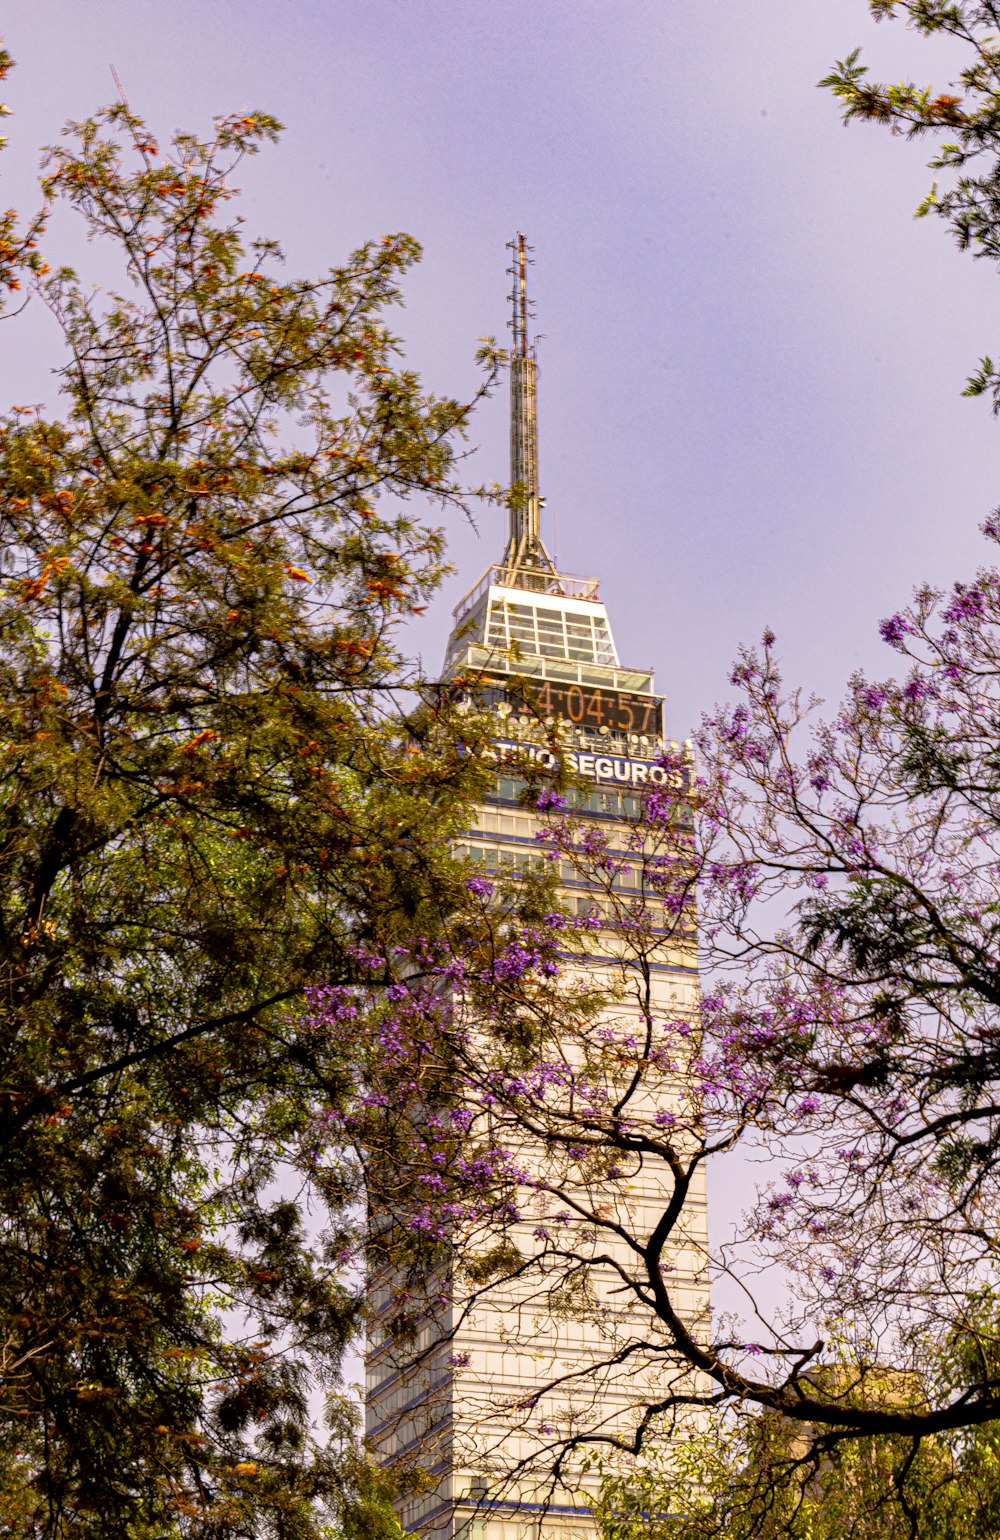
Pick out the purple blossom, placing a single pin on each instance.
(549, 799)
(893, 629)
(515, 961)
(967, 604)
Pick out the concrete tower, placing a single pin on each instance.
(483, 1407)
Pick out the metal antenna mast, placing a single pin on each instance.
(524, 544)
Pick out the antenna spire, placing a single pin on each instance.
(524, 544)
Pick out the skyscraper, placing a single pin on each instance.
(551, 1352)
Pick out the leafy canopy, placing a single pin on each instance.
(206, 803)
(965, 117)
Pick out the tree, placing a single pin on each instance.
(965, 112)
(18, 248)
(504, 1127)
(207, 802)
(754, 1477)
(842, 876)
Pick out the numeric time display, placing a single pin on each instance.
(586, 705)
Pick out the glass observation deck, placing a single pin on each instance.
(556, 629)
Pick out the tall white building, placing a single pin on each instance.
(527, 1363)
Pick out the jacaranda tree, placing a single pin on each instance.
(842, 875)
(507, 1117)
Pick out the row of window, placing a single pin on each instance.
(505, 862)
(493, 860)
(513, 1529)
(610, 804)
(492, 822)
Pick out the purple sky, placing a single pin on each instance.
(752, 358)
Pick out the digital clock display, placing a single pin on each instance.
(585, 705)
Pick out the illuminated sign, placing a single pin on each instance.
(607, 769)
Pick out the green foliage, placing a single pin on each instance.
(967, 114)
(757, 1476)
(207, 802)
(19, 255)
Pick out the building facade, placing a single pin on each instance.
(525, 1363)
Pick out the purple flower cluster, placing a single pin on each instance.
(894, 628)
